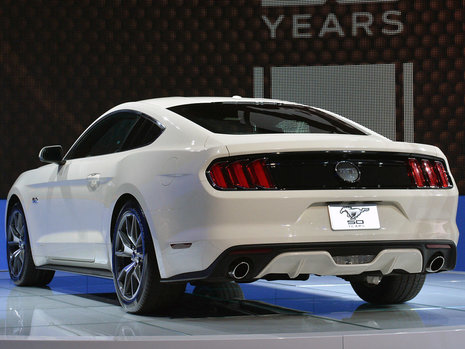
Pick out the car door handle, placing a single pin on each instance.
(93, 181)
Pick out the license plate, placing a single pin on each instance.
(354, 217)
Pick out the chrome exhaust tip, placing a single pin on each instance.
(435, 264)
(239, 270)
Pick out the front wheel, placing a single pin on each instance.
(393, 289)
(21, 266)
(135, 269)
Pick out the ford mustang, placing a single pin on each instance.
(161, 192)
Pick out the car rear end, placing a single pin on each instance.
(288, 205)
(303, 218)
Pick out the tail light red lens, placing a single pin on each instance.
(444, 178)
(217, 175)
(238, 176)
(428, 174)
(259, 174)
(242, 174)
(416, 173)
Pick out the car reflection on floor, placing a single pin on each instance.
(87, 306)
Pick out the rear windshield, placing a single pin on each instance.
(253, 118)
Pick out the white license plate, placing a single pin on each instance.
(354, 217)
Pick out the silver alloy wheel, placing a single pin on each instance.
(16, 240)
(129, 256)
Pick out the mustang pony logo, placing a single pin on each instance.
(353, 212)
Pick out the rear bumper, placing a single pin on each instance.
(213, 221)
(287, 261)
(294, 264)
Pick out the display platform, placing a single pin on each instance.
(323, 312)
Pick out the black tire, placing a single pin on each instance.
(393, 289)
(222, 290)
(21, 266)
(135, 269)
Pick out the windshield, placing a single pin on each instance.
(255, 118)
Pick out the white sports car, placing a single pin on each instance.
(161, 192)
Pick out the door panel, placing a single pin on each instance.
(74, 209)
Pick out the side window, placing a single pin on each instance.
(106, 137)
(146, 131)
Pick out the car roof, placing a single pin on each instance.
(168, 102)
(155, 107)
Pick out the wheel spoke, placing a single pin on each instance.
(123, 254)
(128, 231)
(16, 261)
(133, 288)
(21, 257)
(14, 242)
(138, 273)
(13, 266)
(139, 241)
(135, 280)
(126, 270)
(134, 230)
(15, 254)
(20, 226)
(127, 250)
(128, 280)
(124, 279)
(120, 277)
(129, 269)
(14, 232)
(126, 286)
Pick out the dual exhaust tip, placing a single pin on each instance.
(239, 270)
(435, 264)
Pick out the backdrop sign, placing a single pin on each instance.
(396, 66)
(386, 22)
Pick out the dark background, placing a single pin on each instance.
(63, 63)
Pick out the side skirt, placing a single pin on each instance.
(103, 273)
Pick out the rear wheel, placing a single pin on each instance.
(223, 290)
(21, 266)
(135, 270)
(392, 289)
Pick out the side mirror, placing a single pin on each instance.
(52, 154)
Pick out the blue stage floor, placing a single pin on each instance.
(75, 306)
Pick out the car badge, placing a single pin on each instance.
(353, 212)
(347, 171)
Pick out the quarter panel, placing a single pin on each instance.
(165, 183)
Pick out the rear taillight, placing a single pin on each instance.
(259, 174)
(428, 174)
(241, 174)
(444, 178)
(237, 174)
(416, 173)
(217, 175)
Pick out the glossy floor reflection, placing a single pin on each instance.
(87, 306)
